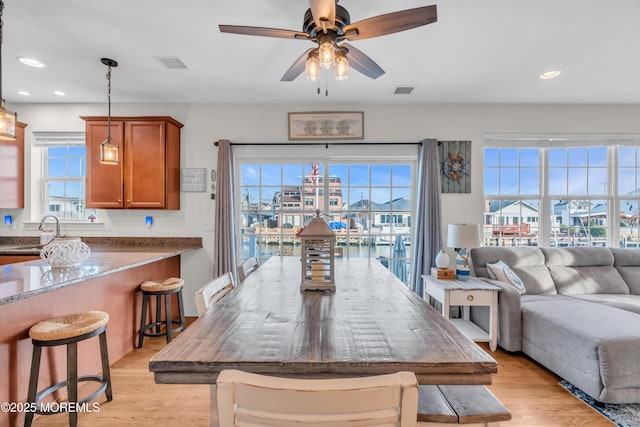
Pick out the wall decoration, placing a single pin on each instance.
(193, 179)
(324, 125)
(455, 166)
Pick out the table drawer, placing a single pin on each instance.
(471, 297)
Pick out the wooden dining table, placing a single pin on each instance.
(371, 324)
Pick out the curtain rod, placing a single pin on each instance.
(326, 144)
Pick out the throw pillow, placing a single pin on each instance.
(501, 271)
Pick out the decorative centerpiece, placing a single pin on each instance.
(318, 256)
(65, 252)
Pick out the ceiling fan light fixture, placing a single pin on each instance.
(341, 69)
(327, 50)
(312, 68)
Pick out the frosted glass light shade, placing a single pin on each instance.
(341, 69)
(108, 153)
(327, 53)
(7, 124)
(312, 69)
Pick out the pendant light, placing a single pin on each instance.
(7, 118)
(108, 150)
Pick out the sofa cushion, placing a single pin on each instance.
(593, 346)
(627, 262)
(501, 272)
(584, 270)
(621, 301)
(527, 262)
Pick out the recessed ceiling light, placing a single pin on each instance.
(58, 92)
(552, 74)
(31, 62)
(23, 93)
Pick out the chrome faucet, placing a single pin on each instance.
(57, 224)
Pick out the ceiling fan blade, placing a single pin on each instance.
(324, 13)
(296, 68)
(264, 32)
(391, 23)
(362, 63)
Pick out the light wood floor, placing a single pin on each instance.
(531, 393)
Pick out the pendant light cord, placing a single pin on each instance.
(109, 102)
(1, 31)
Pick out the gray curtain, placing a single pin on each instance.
(428, 236)
(224, 257)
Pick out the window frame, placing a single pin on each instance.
(545, 142)
(349, 154)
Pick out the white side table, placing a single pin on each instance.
(472, 292)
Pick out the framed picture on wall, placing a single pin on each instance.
(455, 166)
(326, 125)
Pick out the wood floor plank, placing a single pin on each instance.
(529, 391)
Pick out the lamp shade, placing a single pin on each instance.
(463, 236)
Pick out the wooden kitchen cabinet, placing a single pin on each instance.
(148, 175)
(12, 170)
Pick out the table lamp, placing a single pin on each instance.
(463, 237)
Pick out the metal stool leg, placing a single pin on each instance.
(181, 310)
(72, 380)
(33, 382)
(158, 313)
(143, 321)
(169, 322)
(106, 371)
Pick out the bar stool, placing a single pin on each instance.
(159, 289)
(68, 330)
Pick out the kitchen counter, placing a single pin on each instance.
(108, 256)
(108, 281)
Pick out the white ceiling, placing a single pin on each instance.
(479, 51)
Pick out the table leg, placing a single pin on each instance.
(213, 413)
(493, 322)
(446, 307)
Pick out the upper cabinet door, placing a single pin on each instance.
(148, 176)
(104, 182)
(12, 170)
(144, 175)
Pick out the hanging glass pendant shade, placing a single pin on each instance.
(109, 152)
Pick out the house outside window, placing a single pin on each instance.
(364, 195)
(563, 191)
(65, 182)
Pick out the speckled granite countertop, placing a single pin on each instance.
(31, 245)
(108, 255)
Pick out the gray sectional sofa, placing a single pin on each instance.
(579, 316)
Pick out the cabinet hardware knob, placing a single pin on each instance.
(128, 200)
(470, 297)
(119, 200)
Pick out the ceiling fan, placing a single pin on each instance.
(329, 25)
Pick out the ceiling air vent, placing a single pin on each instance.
(403, 90)
(171, 62)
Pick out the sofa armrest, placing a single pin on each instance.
(509, 315)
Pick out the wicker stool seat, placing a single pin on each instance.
(68, 330)
(159, 289)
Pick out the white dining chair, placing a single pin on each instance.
(246, 399)
(247, 267)
(213, 291)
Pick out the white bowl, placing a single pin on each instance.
(65, 252)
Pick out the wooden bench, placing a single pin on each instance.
(471, 405)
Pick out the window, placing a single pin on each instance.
(64, 167)
(562, 191)
(369, 203)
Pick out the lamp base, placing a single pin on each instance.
(463, 272)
